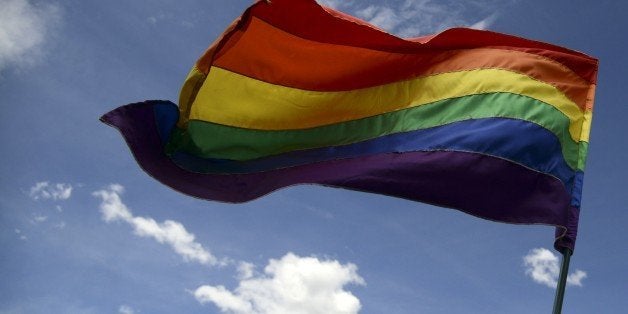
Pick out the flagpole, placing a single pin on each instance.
(562, 281)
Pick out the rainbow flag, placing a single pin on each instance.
(295, 93)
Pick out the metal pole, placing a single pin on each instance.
(562, 281)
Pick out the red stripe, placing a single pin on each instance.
(307, 19)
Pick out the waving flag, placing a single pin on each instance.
(294, 93)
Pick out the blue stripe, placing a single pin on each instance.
(166, 116)
(576, 193)
(518, 141)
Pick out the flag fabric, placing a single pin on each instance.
(295, 93)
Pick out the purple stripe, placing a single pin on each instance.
(477, 184)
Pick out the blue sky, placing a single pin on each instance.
(84, 230)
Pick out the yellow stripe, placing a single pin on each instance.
(232, 99)
(586, 129)
(190, 88)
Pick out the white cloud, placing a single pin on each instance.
(37, 219)
(381, 16)
(125, 309)
(23, 30)
(174, 234)
(336, 4)
(412, 18)
(543, 266)
(19, 232)
(154, 19)
(224, 299)
(245, 270)
(169, 18)
(485, 23)
(46, 190)
(576, 278)
(168, 232)
(290, 285)
(111, 207)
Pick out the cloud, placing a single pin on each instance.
(290, 285)
(125, 309)
(46, 190)
(485, 23)
(19, 233)
(382, 16)
(245, 270)
(152, 20)
(576, 278)
(168, 232)
(37, 219)
(169, 18)
(412, 18)
(111, 207)
(24, 28)
(155, 19)
(336, 4)
(542, 265)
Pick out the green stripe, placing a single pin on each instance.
(582, 155)
(209, 140)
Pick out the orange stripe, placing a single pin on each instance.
(298, 16)
(262, 49)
